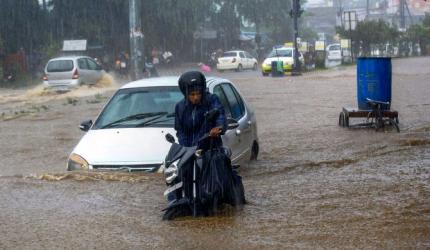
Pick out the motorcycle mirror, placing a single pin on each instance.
(170, 138)
(211, 114)
(86, 125)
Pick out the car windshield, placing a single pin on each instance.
(281, 53)
(229, 54)
(148, 106)
(60, 66)
(335, 47)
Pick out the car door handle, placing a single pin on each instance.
(238, 132)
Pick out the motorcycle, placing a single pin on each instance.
(149, 70)
(167, 58)
(200, 179)
(213, 59)
(9, 77)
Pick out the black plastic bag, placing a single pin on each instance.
(219, 183)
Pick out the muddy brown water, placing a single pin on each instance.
(315, 185)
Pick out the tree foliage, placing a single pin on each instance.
(379, 33)
(420, 34)
(272, 16)
(22, 24)
(169, 24)
(369, 33)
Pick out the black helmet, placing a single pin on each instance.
(192, 80)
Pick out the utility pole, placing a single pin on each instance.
(350, 19)
(341, 12)
(367, 9)
(350, 35)
(402, 14)
(44, 5)
(296, 13)
(136, 39)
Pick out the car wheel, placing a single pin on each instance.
(254, 151)
(255, 67)
(265, 74)
(239, 68)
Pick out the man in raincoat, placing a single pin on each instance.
(190, 112)
(217, 182)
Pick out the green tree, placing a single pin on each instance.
(308, 34)
(21, 25)
(270, 16)
(368, 33)
(170, 24)
(420, 34)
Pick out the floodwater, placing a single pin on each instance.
(315, 185)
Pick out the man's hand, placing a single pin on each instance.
(215, 132)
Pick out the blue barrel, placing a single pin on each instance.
(373, 80)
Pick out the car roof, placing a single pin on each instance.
(234, 51)
(167, 81)
(68, 58)
(283, 48)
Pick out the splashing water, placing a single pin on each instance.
(92, 176)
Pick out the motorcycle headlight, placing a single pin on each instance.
(171, 172)
(76, 162)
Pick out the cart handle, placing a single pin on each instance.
(377, 102)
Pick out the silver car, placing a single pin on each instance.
(69, 72)
(116, 142)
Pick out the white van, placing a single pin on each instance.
(69, 72)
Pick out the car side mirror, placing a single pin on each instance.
(232, 124)
(86, 125)
(170, 138)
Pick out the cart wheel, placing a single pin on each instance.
(342, 119)
(346, 120)
(395, 124)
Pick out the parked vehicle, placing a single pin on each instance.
(283, 54)
(236, 60)
(69, 72)
(129, 132)
(334, 52)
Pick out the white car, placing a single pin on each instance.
(236, 60)
(334, 52)
(129, 134)
(284, 55)
(72, 71)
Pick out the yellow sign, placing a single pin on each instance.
(303, 47)
(320, 45)
(344, 43)
(288, 45)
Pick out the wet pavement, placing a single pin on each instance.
(315, 185)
